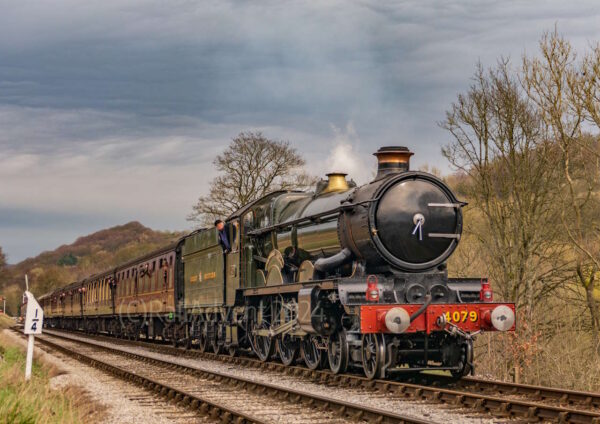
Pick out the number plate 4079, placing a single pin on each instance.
(461, 316)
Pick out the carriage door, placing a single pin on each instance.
(134, 303)
(232, 269)
(164, 278)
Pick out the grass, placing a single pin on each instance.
(35, 401)
(5, 321)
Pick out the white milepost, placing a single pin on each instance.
(34, 319)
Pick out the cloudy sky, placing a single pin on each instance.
(112, 111)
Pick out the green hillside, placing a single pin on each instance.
(87, 255)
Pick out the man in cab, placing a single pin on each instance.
(223, 238)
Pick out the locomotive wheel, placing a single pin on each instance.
(287, 349)
(129, 331)
(312, 355)
(465, 362)
(337, 352)
(203, 338)
(263, 346)
(216, 347)
(173, 336)
(373, 354)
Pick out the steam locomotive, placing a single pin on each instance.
(341, 277)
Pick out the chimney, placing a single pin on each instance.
(392, 160)
(336, 181)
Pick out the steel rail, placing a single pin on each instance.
(345, 409)
(193, 402)
(503, 406)
(564, 396)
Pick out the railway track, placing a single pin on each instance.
(532, 403)
(216, 394)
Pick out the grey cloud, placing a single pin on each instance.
(98, 99)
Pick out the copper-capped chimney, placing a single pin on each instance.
(392, 159)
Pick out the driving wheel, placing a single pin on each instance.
(337, 352)
(314, 358)
(373, 354)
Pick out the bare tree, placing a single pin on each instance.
(527, 145)
(588, 92)
(500, 145)
(250, 167)
(566, 93)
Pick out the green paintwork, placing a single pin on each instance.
(202, 254)
(312, 238)
(203, 269)
(233, 263)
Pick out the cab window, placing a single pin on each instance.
(234, 235)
